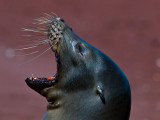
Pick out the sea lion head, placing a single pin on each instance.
(88, 85)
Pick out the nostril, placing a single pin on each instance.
(61, 20)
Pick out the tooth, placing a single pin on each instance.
(31, 77)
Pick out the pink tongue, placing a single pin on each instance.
(50, 78)
(43, 78)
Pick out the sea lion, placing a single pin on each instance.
(88, 85)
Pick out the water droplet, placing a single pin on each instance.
(10, 53)
(158, 62)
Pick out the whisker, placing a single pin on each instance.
(28, 54)
(42, 25)
(35, 39)
(39, 23)
(50, 16)
(26, 48)
(42, 19)
(55, 14)
(38, 43)
(32, 30)
(34, 35)
(27, 35)
(41, 40)
(36, 56)
(39, 27)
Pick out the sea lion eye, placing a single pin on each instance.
(80, 50)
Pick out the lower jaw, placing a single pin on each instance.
(39, 84)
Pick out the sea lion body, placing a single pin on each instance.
(89, 85)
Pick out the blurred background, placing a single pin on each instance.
(127, 31)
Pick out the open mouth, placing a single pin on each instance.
(39, 83)
(55, 34)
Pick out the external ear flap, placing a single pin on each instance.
(100, 93)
